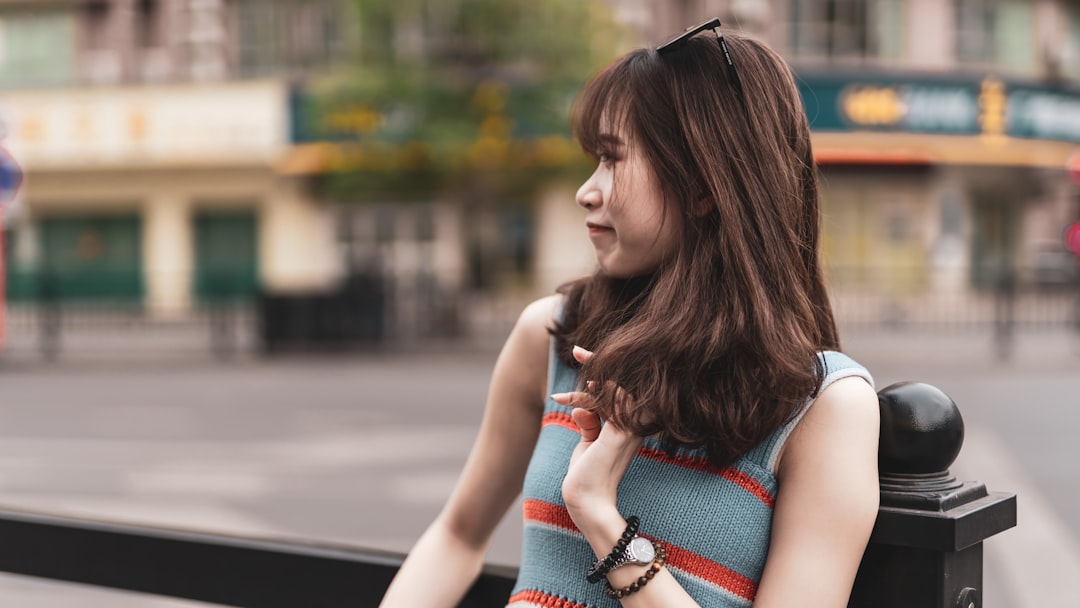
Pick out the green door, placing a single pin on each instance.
(226, 256)
(92, 258)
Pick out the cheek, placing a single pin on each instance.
(671, 232)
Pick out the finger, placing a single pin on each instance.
(581, 354)
(578, 398)
(588, 422)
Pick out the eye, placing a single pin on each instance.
(605, 158)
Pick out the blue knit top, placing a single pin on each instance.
(714, 523)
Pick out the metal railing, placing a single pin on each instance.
(925, 549)
(392, 311)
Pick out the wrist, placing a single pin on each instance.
(605, 530)
(601, 524)
(618, 554)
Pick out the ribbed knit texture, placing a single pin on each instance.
(714, 523)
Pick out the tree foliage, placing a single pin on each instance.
(446, 92)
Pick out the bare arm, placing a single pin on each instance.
(448, 557)
(827, 501)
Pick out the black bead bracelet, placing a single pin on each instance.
(602, 566)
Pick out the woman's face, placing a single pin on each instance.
(630, 226)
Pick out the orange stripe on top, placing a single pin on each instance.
(547, 513)
(683, 559)
(560, 419)
(542, 599)
(731, 474)
(710, 571)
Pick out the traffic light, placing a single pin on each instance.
(1072, 238)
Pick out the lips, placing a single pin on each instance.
(595, 229)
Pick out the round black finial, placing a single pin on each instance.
(921, 430)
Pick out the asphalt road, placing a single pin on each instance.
(364, 449)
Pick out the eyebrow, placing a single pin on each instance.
(608, 138)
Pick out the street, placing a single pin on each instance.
(363, 449)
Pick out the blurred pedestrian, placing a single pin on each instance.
(681, 423)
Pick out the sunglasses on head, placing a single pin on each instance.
(714, 25)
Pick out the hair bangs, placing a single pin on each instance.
(604, 107)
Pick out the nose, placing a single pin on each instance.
(589, 195)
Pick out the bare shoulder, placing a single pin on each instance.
(523, 362)
(531, 329)
(843, 420)
(539, 315)
(850, 399)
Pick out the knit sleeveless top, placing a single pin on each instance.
(715, 523)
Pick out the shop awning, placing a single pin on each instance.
(860, 147)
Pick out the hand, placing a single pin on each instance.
(599, 461)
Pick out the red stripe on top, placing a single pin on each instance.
(560, 419)
(683, 559)
(547, 513)
(705, 568)
(542, 599)
(731, 474)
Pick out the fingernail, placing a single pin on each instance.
(560, 396)
(590, 385)
(579, 350)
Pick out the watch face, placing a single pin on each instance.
(642, 549)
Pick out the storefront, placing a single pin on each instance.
(158, 198)
(944, 183)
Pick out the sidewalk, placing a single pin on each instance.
(287, 443)
(963, 350)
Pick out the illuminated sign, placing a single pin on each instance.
(989, 106)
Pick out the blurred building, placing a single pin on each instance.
(170, 157)
(150, 131)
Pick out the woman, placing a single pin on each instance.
(685, 432)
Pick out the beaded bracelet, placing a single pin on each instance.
(602, 566)
(658, 563)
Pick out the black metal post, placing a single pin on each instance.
(926, 547)
(1005, 314)
(50, 323)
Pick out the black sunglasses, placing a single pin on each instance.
(712, 24)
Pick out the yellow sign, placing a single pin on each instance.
(873, 106)
(993, 106)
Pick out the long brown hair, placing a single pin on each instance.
(719, 345)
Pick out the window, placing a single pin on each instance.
(999, 33)
(275, 36)
(37, 48)
(97, 25)
(859, 29)
(148, 24)
(1071, 55)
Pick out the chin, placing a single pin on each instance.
(620, 274)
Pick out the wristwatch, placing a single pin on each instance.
(639, 550)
